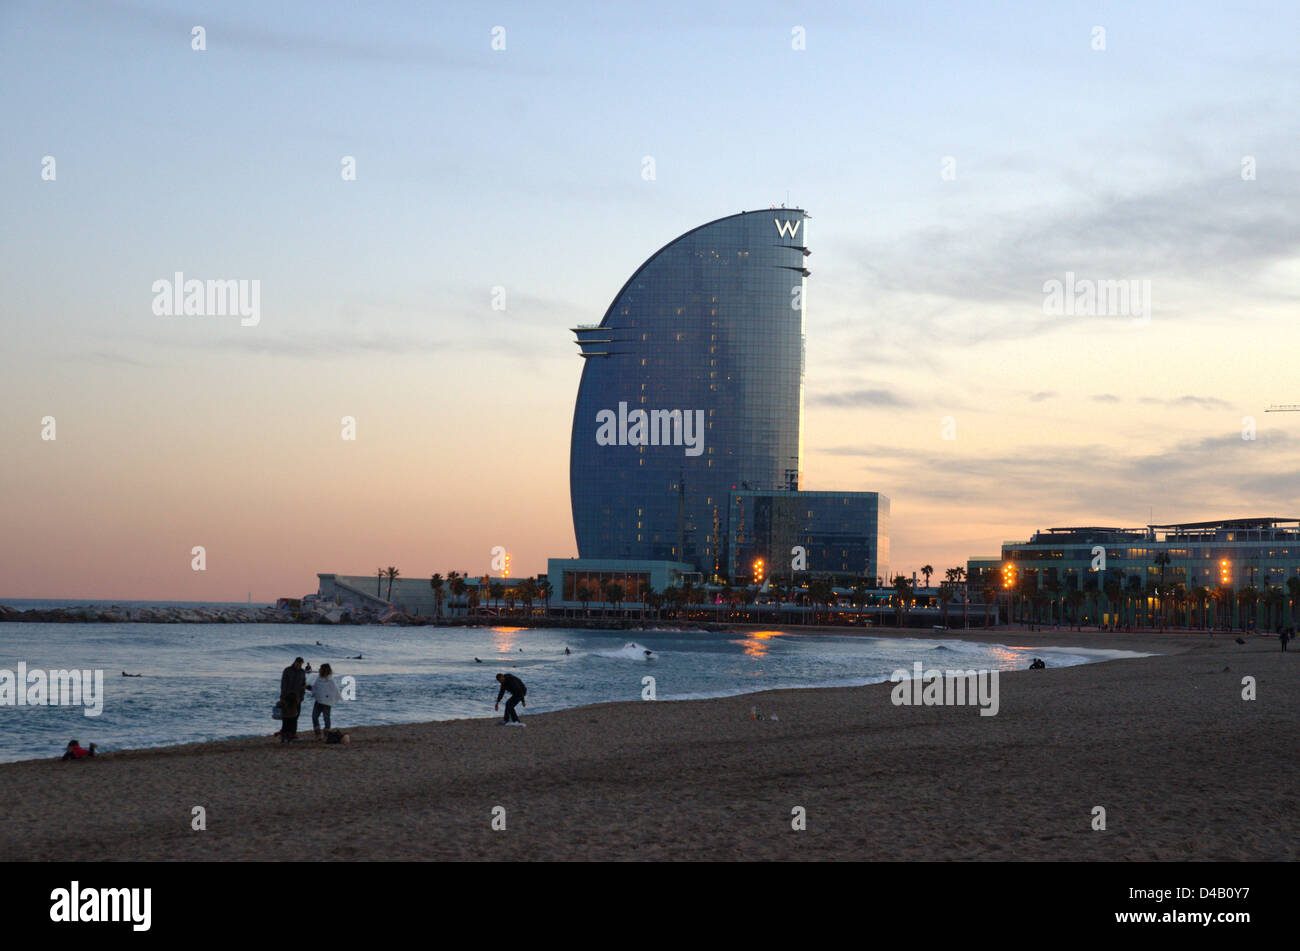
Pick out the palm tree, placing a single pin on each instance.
(647, 592)
(821, 592)
(927, 570)
(1113, 592)
(613, 594)
(1199, 594)
(859, 597)
(545, 589)
(697, 595)
(379, 582)
(945, 595)
(1223, 598)
(1076, 599)
(902, 588)
(391, 574)
(990, 595)
(529, 591)
(583, 594)
(457, 584)
(436, 582)
(496, 591)
(1053, 588)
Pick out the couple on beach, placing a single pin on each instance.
(293, 689)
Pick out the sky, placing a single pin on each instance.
(955, 159)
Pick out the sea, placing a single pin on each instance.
(202, 682)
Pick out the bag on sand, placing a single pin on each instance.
(277, 711)
(334, 736)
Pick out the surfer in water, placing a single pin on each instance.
(125, 674)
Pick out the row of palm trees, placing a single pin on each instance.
(527, 590)
(1156, 604)
(819, 593)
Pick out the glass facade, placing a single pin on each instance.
(845, 535)
(692, 387)
(1241, 570)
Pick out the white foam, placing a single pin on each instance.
(629, 651)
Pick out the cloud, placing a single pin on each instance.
(858, 398)
(357, 46)
(1192, 479)
(1202, 402)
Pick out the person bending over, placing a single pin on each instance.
(515, 687)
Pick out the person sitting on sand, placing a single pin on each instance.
(326, 694)
(75, 750)
(512, 684)
(293, 687)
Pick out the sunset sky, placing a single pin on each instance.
(522, 168)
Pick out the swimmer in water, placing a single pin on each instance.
(477, 661)
(567, 651)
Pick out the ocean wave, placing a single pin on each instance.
(629, 651)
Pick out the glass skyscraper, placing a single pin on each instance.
(692, 387)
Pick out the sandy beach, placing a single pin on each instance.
(1184, 767)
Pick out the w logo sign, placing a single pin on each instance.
(786, 229)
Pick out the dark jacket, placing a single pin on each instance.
(293, 682)
(512, 684)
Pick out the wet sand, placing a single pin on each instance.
(1184, 768)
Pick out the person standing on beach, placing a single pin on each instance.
(293, 687)
(515, 687)
(325, 693)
